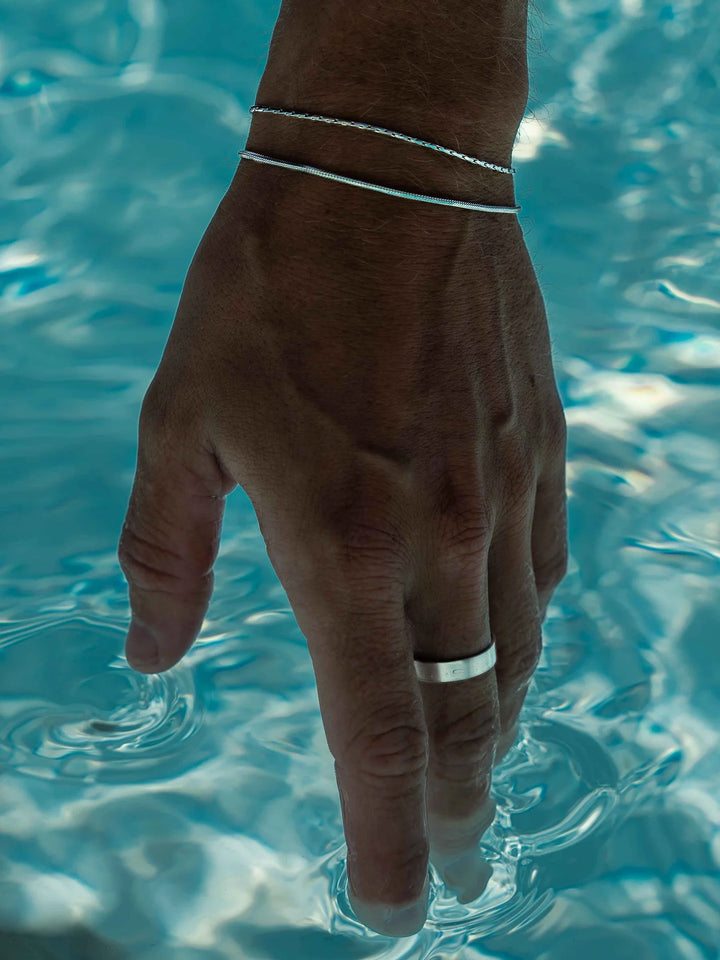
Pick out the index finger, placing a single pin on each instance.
(374, 724)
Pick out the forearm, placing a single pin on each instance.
(453, 72)
(438, 61)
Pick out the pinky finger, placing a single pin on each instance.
(549, 534)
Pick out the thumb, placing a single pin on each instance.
(170, 536)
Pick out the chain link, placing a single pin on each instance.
(388, 133)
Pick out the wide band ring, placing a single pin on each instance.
(450, 670)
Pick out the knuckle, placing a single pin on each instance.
(518, 668)
(463, 747)
(363, 531)
(555, 426)
(147, 564)
(372, 538)
(167, 413)
(470, 536)
(552, 571)
(390, 749)
(466, 520)
(458, 560)
(518, 472)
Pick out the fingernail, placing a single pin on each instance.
(390, 921)
(467, 876)
(141, 646)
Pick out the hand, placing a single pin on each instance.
(376, 374)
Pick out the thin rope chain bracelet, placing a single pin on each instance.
(389, 133)
(374, 186)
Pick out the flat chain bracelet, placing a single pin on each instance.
(465, 204)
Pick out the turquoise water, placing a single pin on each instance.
(194, 815)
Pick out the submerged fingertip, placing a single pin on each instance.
(392, 921)
(468, 876)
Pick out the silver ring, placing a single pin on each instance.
(449, 670)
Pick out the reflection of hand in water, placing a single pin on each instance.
(399, 432)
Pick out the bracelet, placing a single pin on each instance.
(374, 186)
(388, 133)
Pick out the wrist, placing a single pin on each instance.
(369, 157)
(455, 69)
(439, 72)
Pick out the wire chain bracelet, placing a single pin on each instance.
(445, 201)
(386, 132)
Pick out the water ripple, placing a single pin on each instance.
(103, 722)
(194, 815)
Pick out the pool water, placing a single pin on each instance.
(194, 815)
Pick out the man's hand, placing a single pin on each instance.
(376, 374)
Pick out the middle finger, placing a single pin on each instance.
(448, 620)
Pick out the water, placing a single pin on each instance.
(194, 815)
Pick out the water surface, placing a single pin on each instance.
(194, 815)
